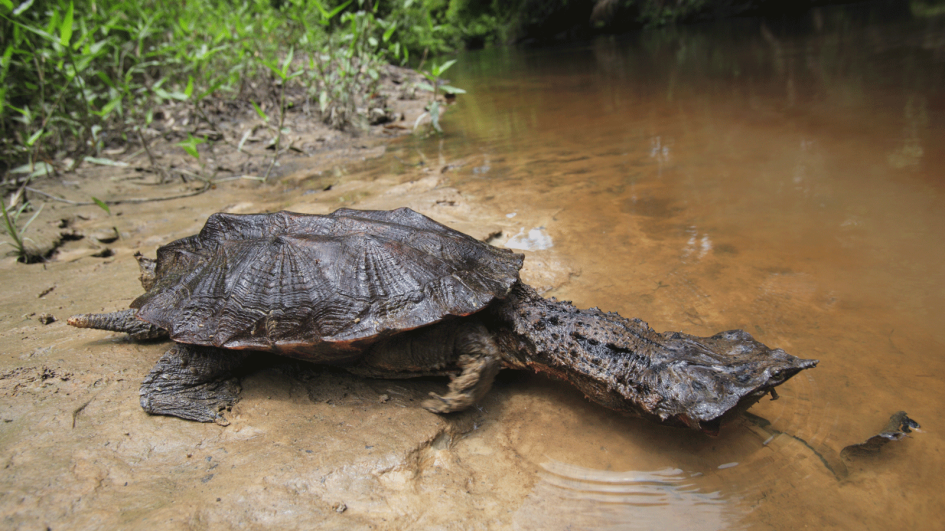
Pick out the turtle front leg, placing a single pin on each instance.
(193, 383)
(480, 361)
(123, 321)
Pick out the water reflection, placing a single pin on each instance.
(536, 239)
(660, 153)
(573, 497)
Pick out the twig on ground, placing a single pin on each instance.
(206, 186)
(154, 166)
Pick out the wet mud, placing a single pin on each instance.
(307, 446)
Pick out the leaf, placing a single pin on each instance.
(38, 210)
(443, 67)
(275, 70)
(23, 7)
(34, 137)
(419, 119)
(65, 29)
(161, 93)
(191, 150)
(42, 169)
(211, 90)
(165, 95)
(105, 162)
(7, 4)
(287, 62)
(17, 27)
(389, 32)
(190, 145)
(8, 224)
(239, 147)
(338, 9)
(190, 87)
(110, 106)
(260, 112)
(105, 79)
(451, 89)
(101, 204)
(435, 116)
(26, 168)
(425, 86)
(94, 48)
(5, 61)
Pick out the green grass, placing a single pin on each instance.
(77, 75)
(15, 232)
(434, 76)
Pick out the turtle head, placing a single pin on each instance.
(147, 266)
(709, 380)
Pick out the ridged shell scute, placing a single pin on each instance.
(291, 282)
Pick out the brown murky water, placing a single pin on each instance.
(782, 178)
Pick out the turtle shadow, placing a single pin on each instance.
(297, 384)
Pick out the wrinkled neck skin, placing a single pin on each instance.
(623, 364)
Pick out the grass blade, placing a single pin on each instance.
(260, 112)
(38, 210)
(65, 29)
(23, 7)
(105, 162)
(101, 204)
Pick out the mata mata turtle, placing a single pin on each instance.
(394, 294)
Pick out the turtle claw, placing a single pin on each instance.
(193, 383)
(447, 404)
(467, 388)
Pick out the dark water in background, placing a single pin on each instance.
(784, 177)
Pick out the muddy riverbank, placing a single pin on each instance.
(308, 446)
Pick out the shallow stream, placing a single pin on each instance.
(783, 177)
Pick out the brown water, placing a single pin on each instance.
(785, 178)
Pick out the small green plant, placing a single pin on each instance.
(15, 232)
(77, 76)
(344, 66)
(436, 85)
(282, 72)
(190, 145)
(102, 204)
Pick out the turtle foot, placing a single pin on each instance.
(479, 365)
(193, 383)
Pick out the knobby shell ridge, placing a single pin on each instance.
(290, 282)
